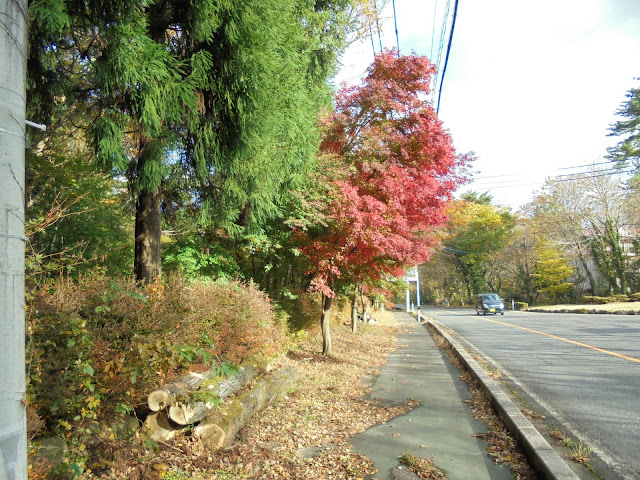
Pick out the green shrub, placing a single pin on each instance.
(521, 305)
(591, 299)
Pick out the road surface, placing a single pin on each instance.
(583, 369)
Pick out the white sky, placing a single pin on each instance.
(531, 86)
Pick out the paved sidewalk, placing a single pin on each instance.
(441, 427)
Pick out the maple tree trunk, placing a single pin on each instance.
(148, 228)
(325, 321)
(354, 310)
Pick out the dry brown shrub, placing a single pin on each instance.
(97, 345)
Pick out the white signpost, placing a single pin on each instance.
(413, 276)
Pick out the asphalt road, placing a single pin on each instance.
(583, 369)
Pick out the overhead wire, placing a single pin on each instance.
(498, 176)
(514, 186)
(584, 177)
(395, 23)
(443, 32)
(444, 70)
(560, 178)
(373, 45)
(433, 30)
(613, 171)
(375, 7)
(502, 181)
(586, 165)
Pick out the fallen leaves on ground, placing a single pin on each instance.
(423, 467)
(305, 436)
(502, 448)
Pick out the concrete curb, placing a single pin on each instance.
(543, 459)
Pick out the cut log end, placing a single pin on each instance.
(184, 414)
(159, 427)
(210, 435)
(159, 400)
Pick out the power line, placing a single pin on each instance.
(613, 171)
(443, 32)
(587, 165)
(433, 30)
(444, 70)
(497, 176)
(372, 44)
(584, 177)
(480, 184)
(395, 22)
(375, 7)
(514, 186)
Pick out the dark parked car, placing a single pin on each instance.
(489, 303)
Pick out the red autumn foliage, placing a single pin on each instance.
(401, 171)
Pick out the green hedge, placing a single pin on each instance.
(591, 299)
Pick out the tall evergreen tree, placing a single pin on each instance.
(627, 151)
(221, 93)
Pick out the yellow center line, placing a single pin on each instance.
(608, 352)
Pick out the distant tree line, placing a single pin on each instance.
(580, 235)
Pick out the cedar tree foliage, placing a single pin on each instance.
(399, 170)
(219, 95)
(627, 152)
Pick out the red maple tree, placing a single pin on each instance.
(400, 171)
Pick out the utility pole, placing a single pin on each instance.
(13, 55)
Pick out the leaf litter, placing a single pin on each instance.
(306, 435)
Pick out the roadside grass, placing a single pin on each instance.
(579, 452)
(424, 468)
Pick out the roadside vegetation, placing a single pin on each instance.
(202, 196)
(306, 435)
(577, 241)
(559, 249)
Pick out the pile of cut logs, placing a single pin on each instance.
(217, 417)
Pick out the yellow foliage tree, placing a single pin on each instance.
(552, 270)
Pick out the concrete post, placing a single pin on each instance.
(418, 292)
(13, 430)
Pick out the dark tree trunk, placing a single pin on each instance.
(354, 310)
(325, 321)
(592, 282)
(285, 282)
(147, 266)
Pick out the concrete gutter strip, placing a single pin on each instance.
(543, 459)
